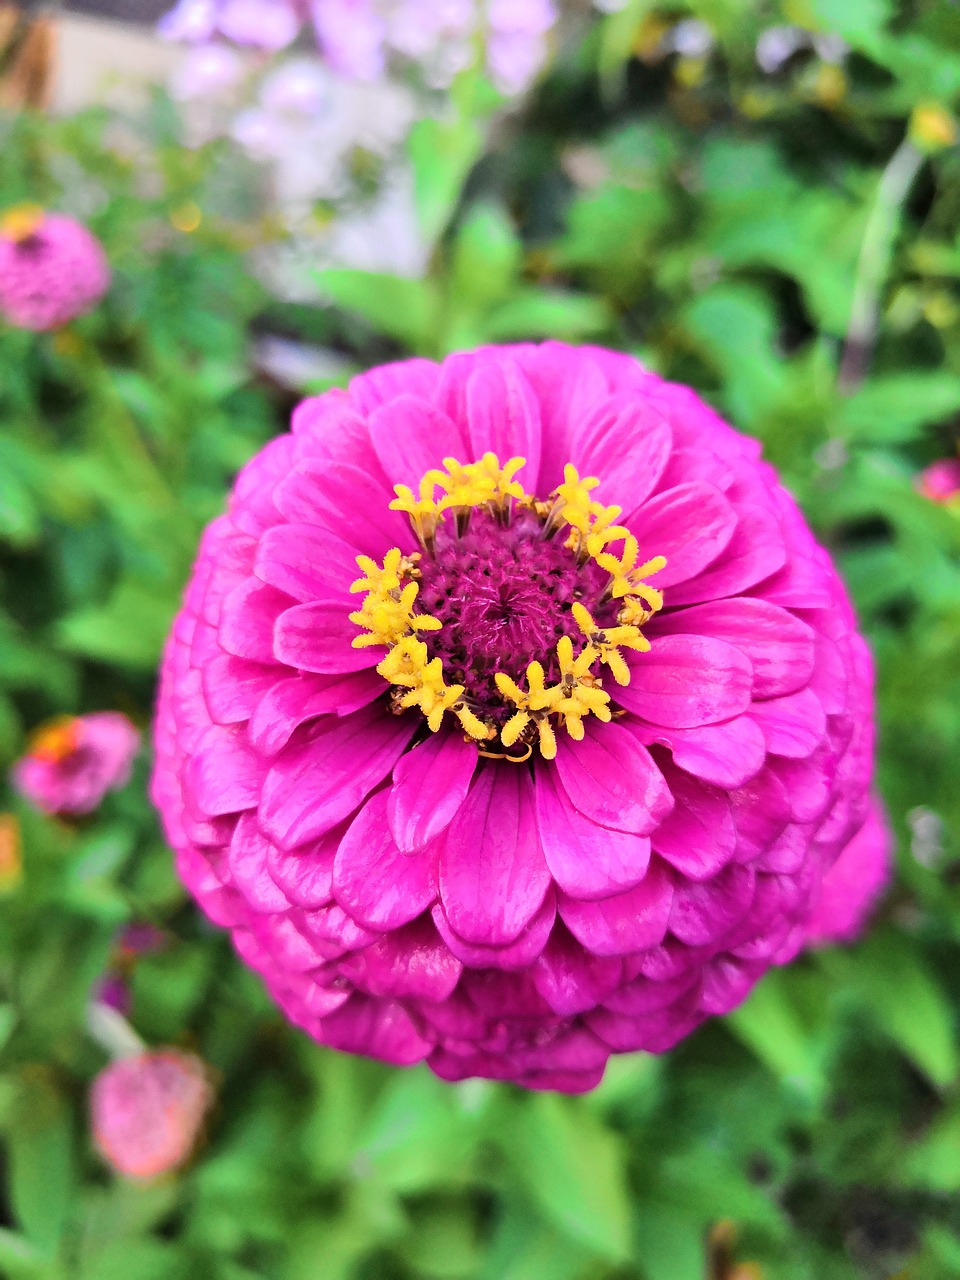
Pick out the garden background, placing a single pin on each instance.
(774, 224)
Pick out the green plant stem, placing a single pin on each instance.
(874, 263)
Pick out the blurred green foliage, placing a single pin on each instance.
(787, 242)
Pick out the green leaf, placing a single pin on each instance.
(41, 1162)
(402, 308)
(547, 313)
(486, 257)
(442, 153)
(893, 407)
(572, 1167)
(770, 1024)
(908, 1002)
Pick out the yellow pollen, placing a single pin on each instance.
(388, 616)
(21, 222)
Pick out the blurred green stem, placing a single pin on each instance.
(874, 263)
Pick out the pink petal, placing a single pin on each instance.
(503, 415)
(691, 525)
(792, 726)
(727, 754)
(429, 785)
(493, 877)
(519, 954)
(780, 646)
(247, 858)
(294, 701)
(628, 443)
(412, 436)
(627, 922)
(307, 563)
(319, 638)
(223, 775)
(761, 810)
(331, 924)
(247, 619)
(754, 552)
(570, 979)
(698, 838)
(316, 783)
(703, 913)
(377, 1028)
(411, 963)
(306, 877)
(351, 503)
(688, 681)
(586, 861)
(380, 886)
(612, 780)
(232, 687)
(368, 391)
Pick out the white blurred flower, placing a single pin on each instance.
(207, 70)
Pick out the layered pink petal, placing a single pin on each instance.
(493, 876)
(688, 681)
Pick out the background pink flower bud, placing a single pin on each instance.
(147, 1111)
(51, 269)
(940, 482)
(73, 762)
(517, 893)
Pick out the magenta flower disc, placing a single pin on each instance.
(515, 718)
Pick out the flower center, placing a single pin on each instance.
(513, 612)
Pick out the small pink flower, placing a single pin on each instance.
(940, 482)
(73, 762)
(147, 1111)
(515, 718)
(51, 268)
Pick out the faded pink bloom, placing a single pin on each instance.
(147, 1111)
(72, 763)
(504, 798)
(940, 482)
(51, 268)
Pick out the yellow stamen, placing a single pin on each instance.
(388, 618)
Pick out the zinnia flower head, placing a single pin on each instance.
(147, 1111)
(940, 482)
(72, 762)
(514, 717)
(51, 268)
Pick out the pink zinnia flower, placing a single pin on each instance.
(51, 268)
(147, 1111)
(563, 766)
(73, 762)
(940, 482)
